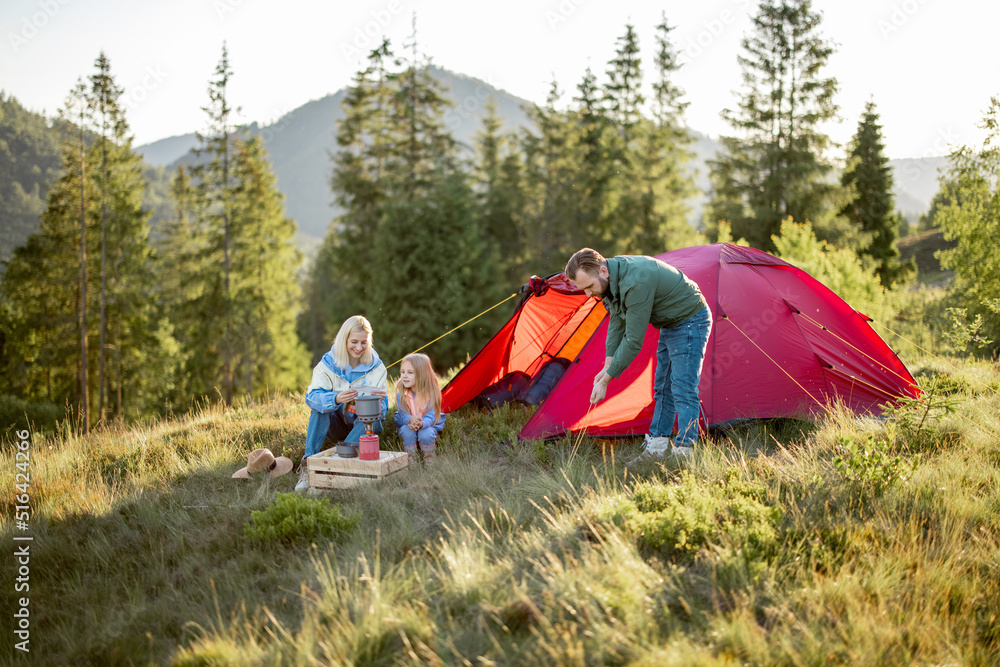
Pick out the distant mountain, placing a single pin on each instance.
(916, 182)
(300, 144)
(163, 152)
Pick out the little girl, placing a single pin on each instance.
(418, 405)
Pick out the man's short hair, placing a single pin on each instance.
(585, 259)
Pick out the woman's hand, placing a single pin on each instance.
(347, 396)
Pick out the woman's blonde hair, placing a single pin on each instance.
(355, 324)
(426, 386)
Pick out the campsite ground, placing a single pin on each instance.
(850, 541)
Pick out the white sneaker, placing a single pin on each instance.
(653, 447)
(683, 452)
(656, 445)
(303, 483)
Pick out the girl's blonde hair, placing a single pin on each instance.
(355, 324)
(426, 386)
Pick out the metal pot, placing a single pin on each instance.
(347, 450)
(367, 406)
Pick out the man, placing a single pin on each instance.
(639, 291)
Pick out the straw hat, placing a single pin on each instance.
(263, 461)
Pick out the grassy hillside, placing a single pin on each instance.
(782, 543)
(923, 247)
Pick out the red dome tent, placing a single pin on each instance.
(782, 345)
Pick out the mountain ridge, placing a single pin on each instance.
(303, 166)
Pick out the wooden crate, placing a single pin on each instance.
(329, 471)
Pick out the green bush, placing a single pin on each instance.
(871, 468)
(20, 414)
(293, 518)
(677, 521)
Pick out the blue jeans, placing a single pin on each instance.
(326, 429)
(427, 438)
(679, 357)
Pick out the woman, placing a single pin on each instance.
(350, 364)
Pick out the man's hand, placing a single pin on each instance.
(601, 381)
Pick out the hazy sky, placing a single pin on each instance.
(931, 66)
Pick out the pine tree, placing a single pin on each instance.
(213, 343)
(335, 287)
(550, 183)
(593, 179)
(871, 208)
(268, 353)
(499, 196)
(55, 281)
(661, 155)
(775, 167)
(623, 92)
(971, 219)
(431, 272)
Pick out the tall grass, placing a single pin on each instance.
(760, 551)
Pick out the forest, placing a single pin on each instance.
(105, 316)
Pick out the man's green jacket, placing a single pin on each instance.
(643, 291)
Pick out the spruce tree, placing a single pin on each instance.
(335, 286)
(130, 330)
(871, 207)
(264, 262)
(661, 155)
(48, 289)
(432, 272)
(774, 166)
(55, 281)
(499, 198)
(360, 187)
(178, 267)
(627, 208)
(212, 364)
(408, 251)
(623, 92)
(593, 179)
(551, 174)
(971, 218)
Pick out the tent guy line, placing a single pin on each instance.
(496, 305)
(847, 342)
